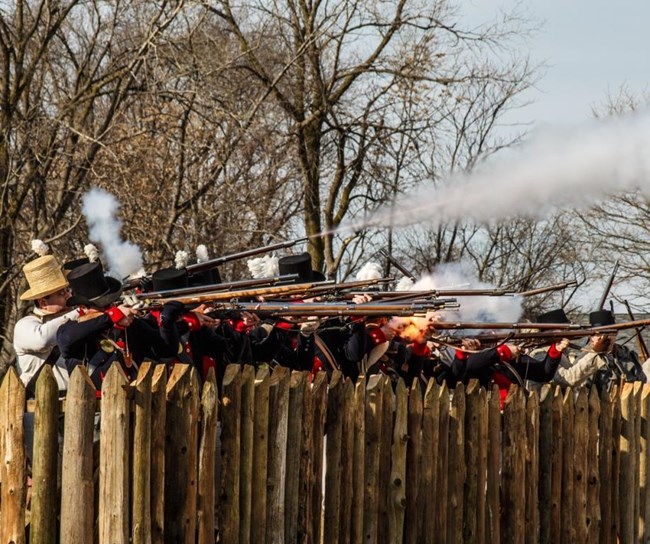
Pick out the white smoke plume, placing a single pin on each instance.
(91, 252)
(404, 284)
(264, 267)
(100, 210)
(181, 259)
(40, 248)
(556, 169)
(202, 254)
(370, 271)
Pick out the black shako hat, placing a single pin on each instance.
(553, 316)
(301, 265)
(90, 287)
(166, 279)
(601, 318)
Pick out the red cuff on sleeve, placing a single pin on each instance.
(461, 355)
(554, 353)
(115, 314)
(505, 353)
(192, 321)
(421, 350)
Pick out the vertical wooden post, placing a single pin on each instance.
(628, 464)
(593, 477)
(457, 468)
(581, 443)
(347, 463)
(319, 395)
(568, 531)
(260, 455)
(297, 385)
(141, 511)
(475, 444)
(397, 498)
(374, 398)
(306, 483)
(359, 456)
(247, 432)
(158, 418)
(557, 453)
(443, 465)
(546, 439)
(428, 418)
(494, 468)
(513, 473)
(333, 455)
(207, 460)
(414, 460)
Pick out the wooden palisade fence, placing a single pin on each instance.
(302, 461)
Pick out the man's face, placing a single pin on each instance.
(56, 301)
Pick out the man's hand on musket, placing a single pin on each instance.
(250, 319)
(202, 315)
(129, 315)
(471, 344)
(361, 298)
(515, 350)
(601, 343)
(562, 344)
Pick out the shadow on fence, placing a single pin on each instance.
(395, 466)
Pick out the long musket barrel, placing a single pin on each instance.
(322, 289)
(212, 263)
(608, 287)
(216, 287)
(560, 327)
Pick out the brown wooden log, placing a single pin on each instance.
(637, 453)
(278, 418)
(513, 472)
(158, 418)
(247, 425)
(306, 483)
(260, 455)
(443, 465)
(593, 478)
(359, 452)
(335, 404)
(386, 439)
(230, 455)
(475, 443)
(374, 399)
(430, 443)
(347, 463)
(181, 454)
(580, 451)
(297, 386)
(557, 454)
(615, 479)
(13, 490)
(44, 459)
(77, 488)
(115, 446)
(546, 439)
(205, 510)
(644, 466)
(493, 505)
(457, 468)
(397, 502)
(605, 466)
(319, 396)
(568, 414)
(628, 464)
(141, 475)
(414, 457)
(532, 468)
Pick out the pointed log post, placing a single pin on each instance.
(427, 462)
(246, 452)
(297, 385)
(333, 454)
(158, 418)
(319, 395)
(208, 460)
(493, 468)
(260, 455)
(397, 496)
(141, 513)
(359, 456)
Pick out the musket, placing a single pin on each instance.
(643, 349)
(608, 287)
(212, 263)
(397, 264)
(216, 287)
(324, 288)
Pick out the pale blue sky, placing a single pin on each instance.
(591, 47)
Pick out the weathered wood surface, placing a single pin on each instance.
(397, 494)
(158, 418)
(207, 460)
(260, 455)
(247, 432)
(141, 475)
(414, 461)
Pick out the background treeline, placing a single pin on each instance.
(238, 124)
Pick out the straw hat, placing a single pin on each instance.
(44, 277)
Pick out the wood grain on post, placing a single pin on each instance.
(615, 478)
(359, 449)
(247, 430)
(114, 462)
(373, 411)
(546, 439)
(644, 466)
(493, 520)
(557, 456)
(44, 459)
(260, 455)
(581, 443)
(141, 502)
(12, 492)
(207, 460)
(347, 463)
(628, 464)
(333, 456)
(306, 484)
(568, 414)
(77, 488)
(319, 400)
(158, 418)
(532, 468)
(637, 454)
(457, 468)
(230, 455)
(385, 443)
(181, 454)
(442, 462)
(473, 446)
(277, 467)
(397, 500)
(414, 460)
(593, 478)
(425, 458)
(297, 385)
(513, 472)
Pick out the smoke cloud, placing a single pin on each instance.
(100, 210)
(555, 169)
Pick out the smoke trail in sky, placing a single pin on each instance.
(100, 210)
(555, 169)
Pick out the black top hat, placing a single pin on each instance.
(74, 263)
(554, 316)
(301, 265)
(601, 318)
(210, 276)
(170, 278)
(91, 288)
